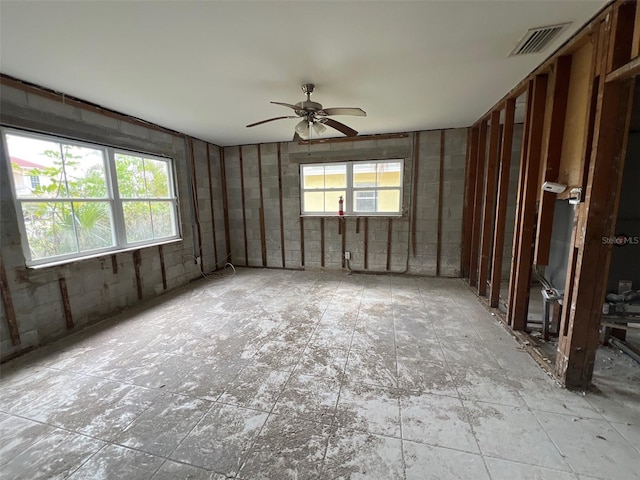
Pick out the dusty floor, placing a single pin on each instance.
(299, 375)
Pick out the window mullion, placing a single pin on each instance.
(63, 159)
(116, 202)
(349, 190)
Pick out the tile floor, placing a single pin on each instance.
(309, 375)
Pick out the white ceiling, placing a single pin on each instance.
(209, 68)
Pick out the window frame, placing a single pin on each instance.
(112, 197)
(350, 190)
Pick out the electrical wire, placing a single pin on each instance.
(216, 274)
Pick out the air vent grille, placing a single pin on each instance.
(537, 39)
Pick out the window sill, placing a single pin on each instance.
(67, 261)
(325, 215)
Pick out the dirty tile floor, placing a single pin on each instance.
(271, 374)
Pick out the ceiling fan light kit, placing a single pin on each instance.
(314, 116)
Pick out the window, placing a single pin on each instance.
(367, 188)
(35, 181)
(76, 199)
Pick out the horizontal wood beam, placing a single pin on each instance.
(631, 69)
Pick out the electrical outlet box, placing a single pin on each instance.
(347, 255)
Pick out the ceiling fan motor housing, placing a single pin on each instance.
(309, 106)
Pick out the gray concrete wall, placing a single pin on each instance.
(95, 289)
(400, 252)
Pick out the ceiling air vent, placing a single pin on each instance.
(537, 39)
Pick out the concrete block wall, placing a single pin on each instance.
(321, 238)
(101, 286)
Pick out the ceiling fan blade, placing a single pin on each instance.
(341, 127)
(297, 138)
(269, 120)
(294, 107)
(358, 112)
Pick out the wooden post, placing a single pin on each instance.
(501, 201)
(469, 196)
(225, 206)
(414, 200)
(263, 234)
(244, 209)
(282, 251)
(440, 188)
(64, 294)
(521, 275)
(7, 301)
(486, 240)
(476, 227)
(213, 217)
(551, 160)
(596, 218)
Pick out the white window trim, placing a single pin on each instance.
(112, 197)
(349, 190)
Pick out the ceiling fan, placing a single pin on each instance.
(314, 117)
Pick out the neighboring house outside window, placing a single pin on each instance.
(77, 199)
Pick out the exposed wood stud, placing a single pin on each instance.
(501, 202)
(519, 207)
(7, 301)
(469, 196)
(366, 242)
(163, 271)
(440, 188)
(302, 241)
(521, 276)
(486, 236)
(580, 325)
(343, 222)
(114, 263)
(213, 217)
(194, 187)
(551, 159)
(281, 206)
(137, 260)
(322, 242)
(414, 201)
(620, 46)
(64, 293)
(596, 218)
(389, 227)
(244, 210)
(263, 236)
(225, 206)
(635, 43)
(477, 205)
(594, 83)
